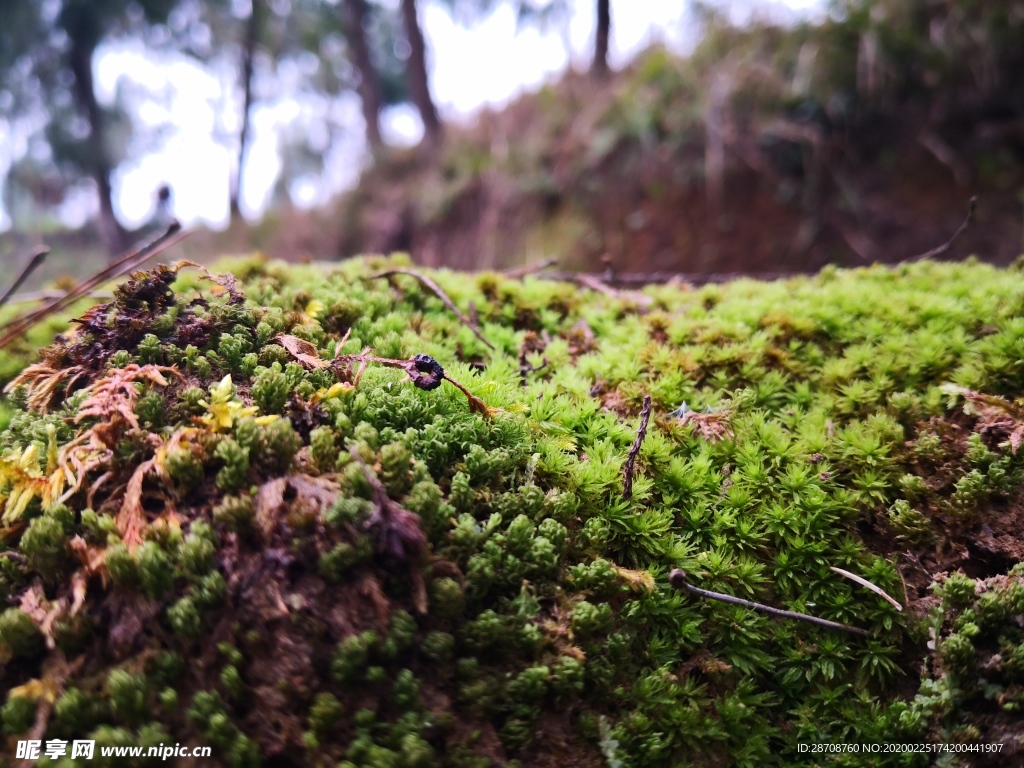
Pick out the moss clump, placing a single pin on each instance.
(405, 575)
(19, 635)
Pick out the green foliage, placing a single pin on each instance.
(235, 472)
(271, 391)
(45, 547)
(504, 565)
(19, 636)
(17, 715)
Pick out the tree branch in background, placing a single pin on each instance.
(78, 23)
(604, 23)
(369, 83)
(248, 55)
(37, 257)
(416, 72)
(634, 451)
(439, 292)
(971, 206)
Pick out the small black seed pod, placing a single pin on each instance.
(425, 372)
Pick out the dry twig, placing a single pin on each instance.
(439, 292)
(51, 294)
(678, 580)
(424, 371)
(529, 269)
(125, 263)
(971, 206)
(37, 257)
(594, 283)
(634, 451)
(865, 583)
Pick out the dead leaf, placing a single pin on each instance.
(131, 520)
(371, 590)
(268, 503)
(302, 350)
(312, 494)
(43, 612)
(637, 581)
(34, 603)
(92, 558)
(476, 405)
(713, 426)
(36, 690)
(79, 585)
(997, 416)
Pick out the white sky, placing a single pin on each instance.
(198, 110)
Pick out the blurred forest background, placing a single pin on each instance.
(851, 134)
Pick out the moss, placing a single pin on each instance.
(234, 512)
(351, 655)
(18, 714)
(446, 598)
(186, 618)
(77, 711)
(235, 472)
(322, 448)
(270, 390)
(499, 549)
(325, 714)
(128, 695)
(439, 646)
(122, 567)
(45, 546)
(19, 635)
(277, 446)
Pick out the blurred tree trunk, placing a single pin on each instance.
(416, 71)
(604, 24)
(114, 236)
(369, 85)
(248, 55)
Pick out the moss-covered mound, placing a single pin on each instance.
(241, 512)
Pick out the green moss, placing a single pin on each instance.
(154, 568)
(271, 391)
(234, 512)
(19, 635)
(18, 714)
(817, 424)
(235, 472)
(45, 547)
(128, 695)
(325, 714)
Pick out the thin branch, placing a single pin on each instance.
(678, 580)
(529, 269)
(863, 247)
(37, 257)
(125, 263)
(51, 294)
(945, 155)
(437, 291)
(595, 283)
(634, 451)
(971, 206)
(865, 583)
(691, 278)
